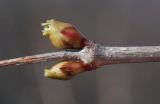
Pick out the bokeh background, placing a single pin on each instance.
(109, 22)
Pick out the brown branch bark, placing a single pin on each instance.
(101, 55)
(39, 58)
(120, 55)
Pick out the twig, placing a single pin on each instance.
(39, 58)
(101, 55)
(120, 55)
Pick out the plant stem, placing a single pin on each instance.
(39, 58)
(101, 56)
(120, 55)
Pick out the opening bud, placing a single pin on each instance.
(67, 69)
(63, 35)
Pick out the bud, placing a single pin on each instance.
(66, 70)
(63, 35)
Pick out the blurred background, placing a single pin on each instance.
(109, 22)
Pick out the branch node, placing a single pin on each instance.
(88, 53)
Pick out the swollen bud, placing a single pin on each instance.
(63, 35)
(66, 70)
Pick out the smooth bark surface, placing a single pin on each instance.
(98, 54)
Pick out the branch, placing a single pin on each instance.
(87, 59)
(101, 55)
(120, 55)
(39, 58)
